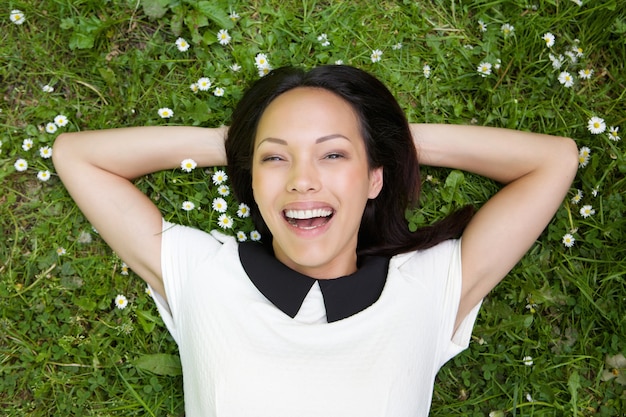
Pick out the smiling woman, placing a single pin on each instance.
(311, 187)
(340, 302)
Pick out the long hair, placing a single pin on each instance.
(388, 143)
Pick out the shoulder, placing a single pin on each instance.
(177, 239)
(441, 255)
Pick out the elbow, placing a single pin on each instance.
(62, 152)
(60, 149)
(564, 159)
(569, 155)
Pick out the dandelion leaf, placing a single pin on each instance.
(573, 383)
(176, 22)
(200, 111)
(455, 179)
(160, 364)
(215, 14)
(86, 304)
(146, 320)
(81, 40)
(155, 9)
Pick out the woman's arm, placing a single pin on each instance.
(97, 167)
(537, 171)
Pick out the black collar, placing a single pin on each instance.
(287, 289)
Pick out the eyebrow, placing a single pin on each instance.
(318, 140)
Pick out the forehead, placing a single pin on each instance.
(306, 109)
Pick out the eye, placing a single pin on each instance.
(334, 155)
(271, 158)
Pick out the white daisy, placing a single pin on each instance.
(484, 69)
(17, 17)
(124, 269)
(376, 55)
(188, 205)
(260, 60)
(548, 38)
(264, 71)
(219, 205)
(45, 152)
(223, 37)
(578, 51)
(566, 79)
(585, 151)
(243, 211)
(218, 92)
(482, 26)
(528, 360)
(233, 16)
(596, 125)
(21, 165)
(586, 73)
(61, 251)
(194, 87)
(241, 236)
(182, 44)
(204, 84)
(568, 240)
(121, 302)
(43, 175)
(587, 211)
(507, 29)
(219, 177)
(235, 67)
(223, 190)
(614, 133)
(47, 88)
(577, 197)
(225, 221)
(255, 236)
(60, 120)
(583, 156)
(51, 127)
(27, 144)
(426, 70)
(397, 46)
(188, 165)
(165, 112)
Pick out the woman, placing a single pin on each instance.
(341, 311)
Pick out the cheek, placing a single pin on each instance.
(262, 189)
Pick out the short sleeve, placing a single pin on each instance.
(439, 274)
(182, 250)
(459, 340)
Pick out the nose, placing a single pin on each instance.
(303, 178)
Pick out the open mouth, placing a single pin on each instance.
(309, 219)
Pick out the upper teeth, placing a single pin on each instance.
(308, 214)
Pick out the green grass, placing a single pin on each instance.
(64, 347)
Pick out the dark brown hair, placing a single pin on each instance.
(388, 142)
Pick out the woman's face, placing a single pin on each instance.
(311, 180)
